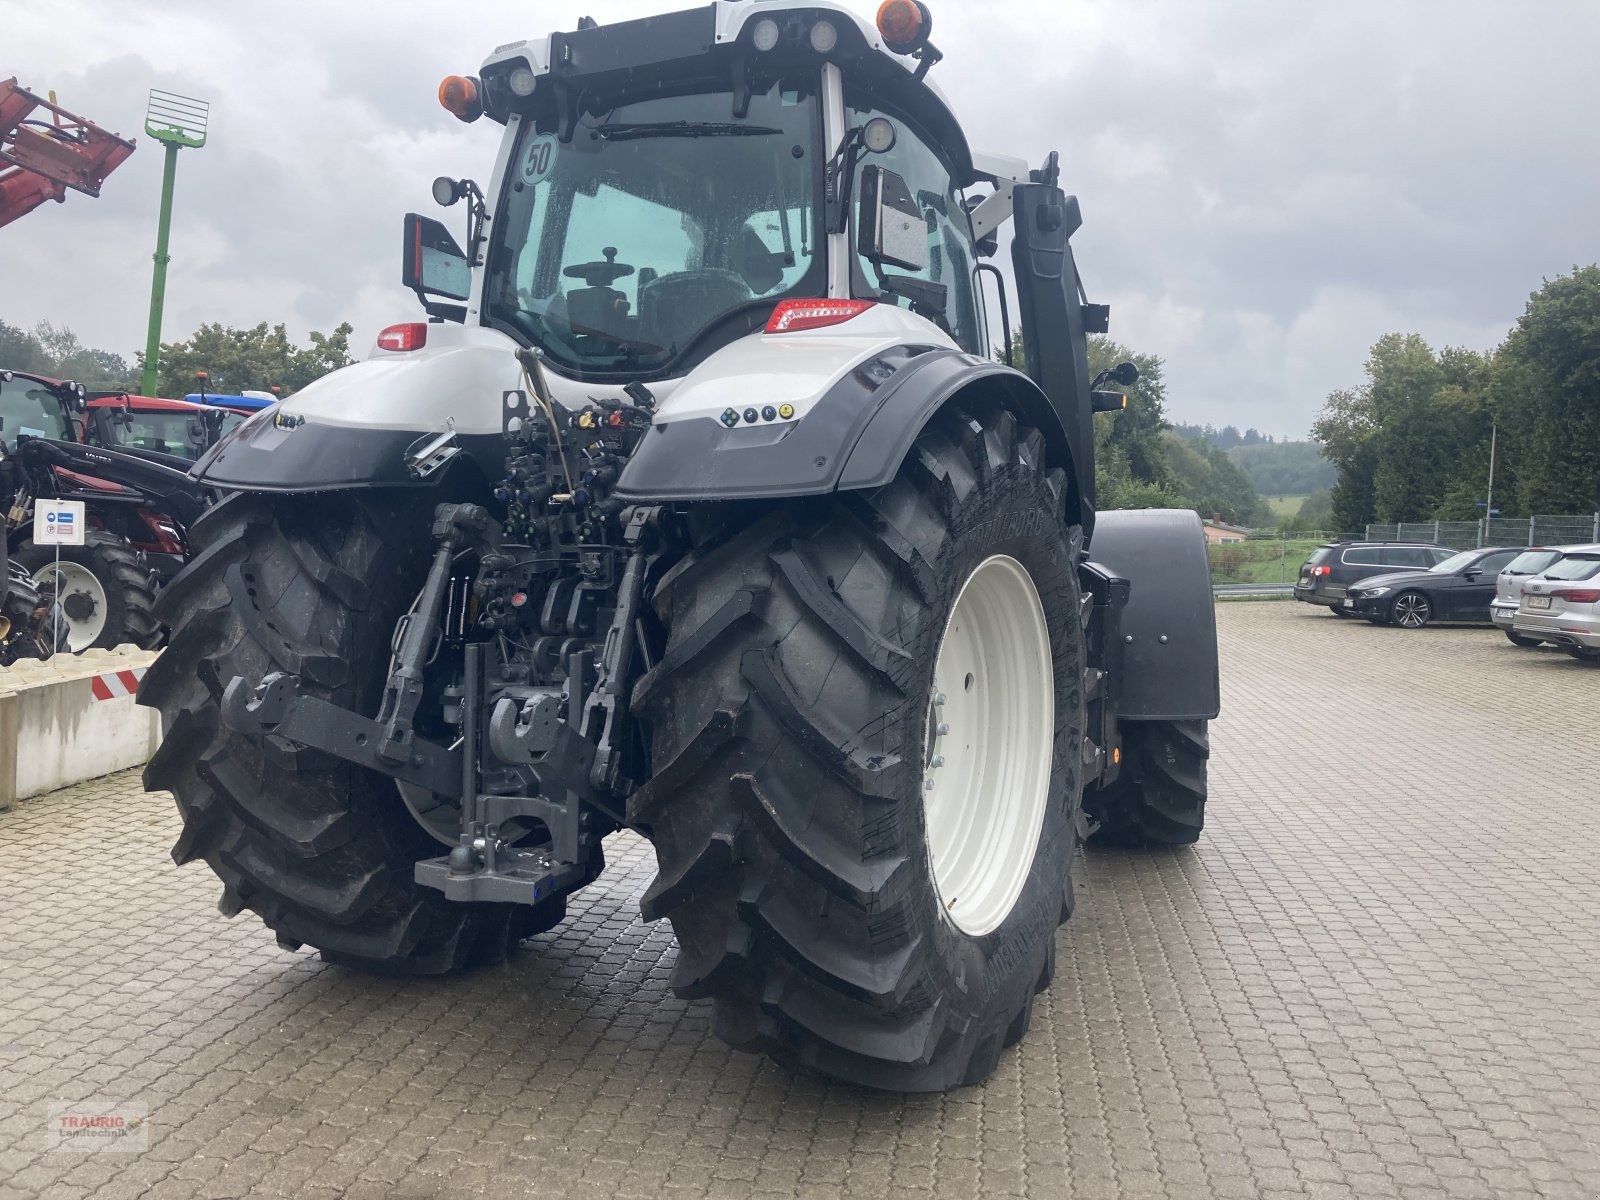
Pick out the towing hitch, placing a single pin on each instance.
(484, 866)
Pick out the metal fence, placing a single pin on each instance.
(1493, 531)
(1264, 559)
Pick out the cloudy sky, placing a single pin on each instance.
(1267, 187)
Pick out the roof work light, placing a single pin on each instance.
(905, 25)
(459, 94)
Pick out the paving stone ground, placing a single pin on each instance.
(1378, 975)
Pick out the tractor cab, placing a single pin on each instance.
(670, 185)
(33, 406)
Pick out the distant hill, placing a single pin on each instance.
(1277, 468)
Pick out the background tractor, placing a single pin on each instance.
(700, 507)
(139, 504)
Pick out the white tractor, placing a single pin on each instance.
(700, 506)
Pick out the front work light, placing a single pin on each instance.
(446, 191)
(878, 135)
(824, 37)
(905, 25)
(765, 35)
(522, 81)
(459, 96)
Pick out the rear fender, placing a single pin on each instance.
(850, 436)
(958, 381)
(1168, 669)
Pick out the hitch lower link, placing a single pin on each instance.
(484, 866)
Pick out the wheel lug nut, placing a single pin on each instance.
(937, 761)
(938, 697)
(944, 728)
(927, 785)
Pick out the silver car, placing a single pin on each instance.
(1563, 605)
(1508, 586)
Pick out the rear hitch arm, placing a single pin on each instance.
(453, 525)
(277, 708)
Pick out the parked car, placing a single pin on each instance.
(1326, 576)
(1508, 588)
(1457, 589)
(1563, 605)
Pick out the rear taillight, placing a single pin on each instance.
(791, 316)
(1317, 572)
(1578, 595)
(400, 338)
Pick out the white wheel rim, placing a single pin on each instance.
(990, 745)
(73, 579)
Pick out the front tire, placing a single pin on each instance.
(320, 849)
(794, 731)
(103, 588)
(1160, 797)
(1410, 610)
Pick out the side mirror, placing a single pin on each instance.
(433, 264)
(892, 230)
(197, 429)
(1126, 374)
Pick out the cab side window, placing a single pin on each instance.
(951, 261)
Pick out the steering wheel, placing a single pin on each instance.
(600, 274)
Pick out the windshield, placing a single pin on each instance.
(1531, 562)
(1574, 568)
(30, 408)
(1454, 563)
(163, 432)
(617, 251)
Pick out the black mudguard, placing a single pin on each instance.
(853, 439)
(1169, 627)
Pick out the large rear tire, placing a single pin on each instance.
(795, 727)
(1160, 797)
(104, 589)
(322, 850)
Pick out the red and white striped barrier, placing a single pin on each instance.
(117, 684)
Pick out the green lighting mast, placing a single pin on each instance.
(176, 121)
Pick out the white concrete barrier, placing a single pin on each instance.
(72, 718)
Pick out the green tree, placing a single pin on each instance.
(1545, 394)
(1315, 513)
(56, 351)
(1413, 442)
(257, 359)
(1136, 429)
(1347, 430)
(1211, 482)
